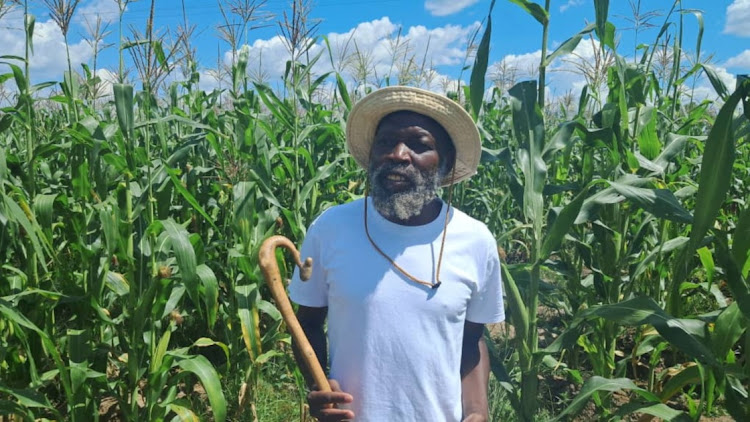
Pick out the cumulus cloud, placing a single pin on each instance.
(108, 10)
(705, 91)
(370, 53)
(447, 7)
(738, 16)
(740, 61)
(49, 60)
(569, 4)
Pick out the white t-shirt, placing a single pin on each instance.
(395, 345)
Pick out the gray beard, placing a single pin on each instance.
(407, 204)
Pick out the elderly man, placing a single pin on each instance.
(404, 281)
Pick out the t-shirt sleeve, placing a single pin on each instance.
(486, 304)
(313, 292)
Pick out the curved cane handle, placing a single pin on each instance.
(270, 269)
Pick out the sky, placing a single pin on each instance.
(433, 32)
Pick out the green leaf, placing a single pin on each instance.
(210, 293)
(533, 9)
(32, 229)
(713, 184)
(201, 367)
(109, 218)
(662, 248)
(528, 129)
(78, 351)
(684, 334)
(708, 263)
(699, 39)
(602, 13)
(27, 397)
(689, 375)
(250, 322)
(659, 202)
(568, 45)
(648, 140)
(660, 410)
(29, 23)
(518, 312)
(185, 254)
(44, 209)
(562, 224)
(124, 108)
(591, 386)
(117, 283)
(479, 70)
(183, 414)
(278, 108)
(8, 407)
(206, 342)
(729, 327)
(560, 140)
(719, 86)
(343, 92)
(161, 350)
(741, 243)
(20, 79)
(189, 197)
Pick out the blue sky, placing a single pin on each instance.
(433, 31)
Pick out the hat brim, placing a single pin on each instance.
(366, 115)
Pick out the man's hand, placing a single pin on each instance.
(324, 405)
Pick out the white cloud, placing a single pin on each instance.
(447, 7)
(49, 60)
(705, 91)
(569, 4)
(366, 53)
(108, 10)
(740, 61)
(738, 18)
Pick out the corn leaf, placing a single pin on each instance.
(124, 108)
(185, 254)
(741, 243)
(210, 292)
(201, 367)
(659, 202)
(593, 385)
(183, 414)
(533, 9)
(249, 320)
(479, 70)
(568, 45)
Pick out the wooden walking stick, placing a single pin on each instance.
(270, 268)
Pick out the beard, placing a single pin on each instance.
(402, 205)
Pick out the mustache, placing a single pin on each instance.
(406, 170)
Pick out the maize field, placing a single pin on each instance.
(130, 223)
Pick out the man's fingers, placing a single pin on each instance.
(334, 415)
(335, 397)
(323, 404)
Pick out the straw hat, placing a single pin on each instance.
(367, 113)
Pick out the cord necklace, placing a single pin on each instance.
(436, 283)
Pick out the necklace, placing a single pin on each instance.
(436, 282)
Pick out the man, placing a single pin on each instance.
(405, 281)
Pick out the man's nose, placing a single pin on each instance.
(399, 153)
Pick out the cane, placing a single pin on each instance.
(270, 269)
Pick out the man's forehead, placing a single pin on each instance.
(408, 118)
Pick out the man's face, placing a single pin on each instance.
(405, 163)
